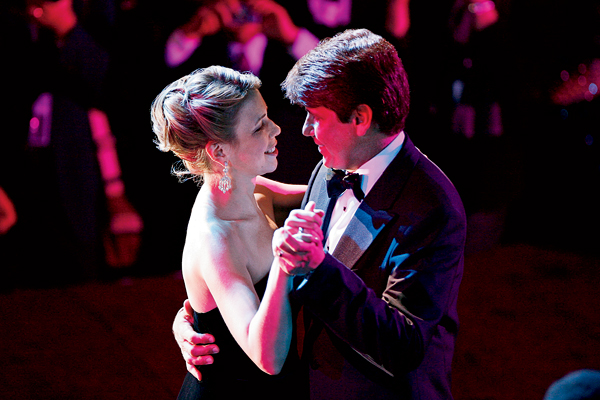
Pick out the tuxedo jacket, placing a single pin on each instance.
(379, 314)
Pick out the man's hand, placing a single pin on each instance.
(196, 348)
(204, 22)
(56, 15)
(276, 22)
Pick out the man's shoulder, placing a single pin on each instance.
(413, 178)
(318, 170)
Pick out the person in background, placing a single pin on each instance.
(75, 214)
(267, 37)
(247, 35)
(582, 384)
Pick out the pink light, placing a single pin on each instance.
(34, 124)
(38, 12)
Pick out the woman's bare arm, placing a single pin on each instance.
(262, 328)
(282, 194)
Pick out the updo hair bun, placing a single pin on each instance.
(196, 109)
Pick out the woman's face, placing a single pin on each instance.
(254, 152)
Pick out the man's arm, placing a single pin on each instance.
(196, 348)
(8, 215)
(184, 40)
(403, 293)
(391, 331)
(277, 24)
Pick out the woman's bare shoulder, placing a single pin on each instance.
(212, 241)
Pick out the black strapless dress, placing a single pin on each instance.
(233, 374)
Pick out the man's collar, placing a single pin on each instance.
(373, 169)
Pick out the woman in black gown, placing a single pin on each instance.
(216, 122)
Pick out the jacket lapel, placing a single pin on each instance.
(371, 217)
(360, 233)
(318, 192)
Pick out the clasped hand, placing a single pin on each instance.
(298, 245)
(298, 248)
(219, 15)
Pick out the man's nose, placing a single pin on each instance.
(307, 128)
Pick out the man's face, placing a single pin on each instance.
(333, 137)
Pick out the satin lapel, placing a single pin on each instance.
(318, 190)
(360, 233)
(371, 217)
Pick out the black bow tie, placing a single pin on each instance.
(338, 181)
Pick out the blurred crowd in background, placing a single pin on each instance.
(503, 98)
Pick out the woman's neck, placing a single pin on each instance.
(235, 204)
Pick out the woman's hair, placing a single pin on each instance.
(196, 109)
(352, 68)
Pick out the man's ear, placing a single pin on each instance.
(362, 118)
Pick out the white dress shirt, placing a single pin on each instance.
(347, 204)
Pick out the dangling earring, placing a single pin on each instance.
(225, 181)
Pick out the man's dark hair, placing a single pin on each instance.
(352, 68)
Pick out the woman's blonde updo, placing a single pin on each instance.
(196, 109)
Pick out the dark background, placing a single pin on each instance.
(529, 299)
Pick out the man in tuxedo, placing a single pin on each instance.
(379, 313)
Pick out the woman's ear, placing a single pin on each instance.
(363, 117)
(217, 151)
